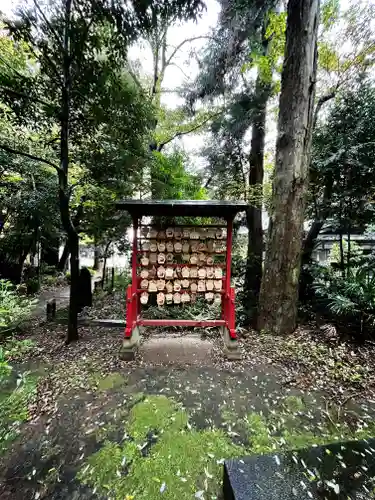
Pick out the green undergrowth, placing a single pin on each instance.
(162, 454)
(14, 409)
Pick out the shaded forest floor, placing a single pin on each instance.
(99, 427)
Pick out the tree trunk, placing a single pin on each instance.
(348, 257)
(96, 257)
(74, 289)
(253, 274)
(64, 195)
(342, 257)
(50, 252)
(279, 290)
(105, 262)
(62, 265)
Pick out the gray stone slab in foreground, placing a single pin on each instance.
(337, 471)
(187, 349)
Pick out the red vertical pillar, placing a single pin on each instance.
(228, 263)
(132, 296)
(134, 269)
(229, 256)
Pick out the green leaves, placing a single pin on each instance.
(329, 13)
(171, 180)
(329, 59)
(13, 308)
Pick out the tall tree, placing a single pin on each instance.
(77, 57)
(171, 122)
(279, 290)
(343, 157)
(343, 56)
(245, 42)
(79, 50)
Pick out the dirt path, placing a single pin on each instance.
(61, 294)
(91, 410)
(160, 426)
(52, 450)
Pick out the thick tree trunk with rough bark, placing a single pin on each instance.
(253, 274)
(279, 290)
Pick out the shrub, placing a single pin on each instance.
(51, 270)
(349, 298)
(122, 281)
(32, 286)
(13, 308)
(15, 349)
(50, 280)
(5, 368)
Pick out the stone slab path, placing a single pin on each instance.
(189, 349)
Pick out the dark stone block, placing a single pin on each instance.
(336, 471)
(51, 310)
(85, 289)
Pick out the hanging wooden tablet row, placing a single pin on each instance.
(178, 263)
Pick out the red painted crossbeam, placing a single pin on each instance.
(180, 322)
(140, 290)
(221, 252)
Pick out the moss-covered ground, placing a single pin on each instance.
(163, 432)
(94, 427)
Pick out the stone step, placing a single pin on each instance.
(339, 470)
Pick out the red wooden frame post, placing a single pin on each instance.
(228, 297)
(132, 299)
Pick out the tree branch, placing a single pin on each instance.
(20, 75)
(187, 40)
(179, 67)
(50, 61)
(50, 27)
(164, 51)
(22, 94)
(28, 155)
(193, 129)
(208, 182)
(134, 76)
(322, 100)
(156, 69)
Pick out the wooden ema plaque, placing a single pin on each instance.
(194, 263)
(176, 263)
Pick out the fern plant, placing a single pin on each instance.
(350, 298)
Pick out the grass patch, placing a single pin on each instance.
(111, 381)
(293, 404)
(179, 460)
